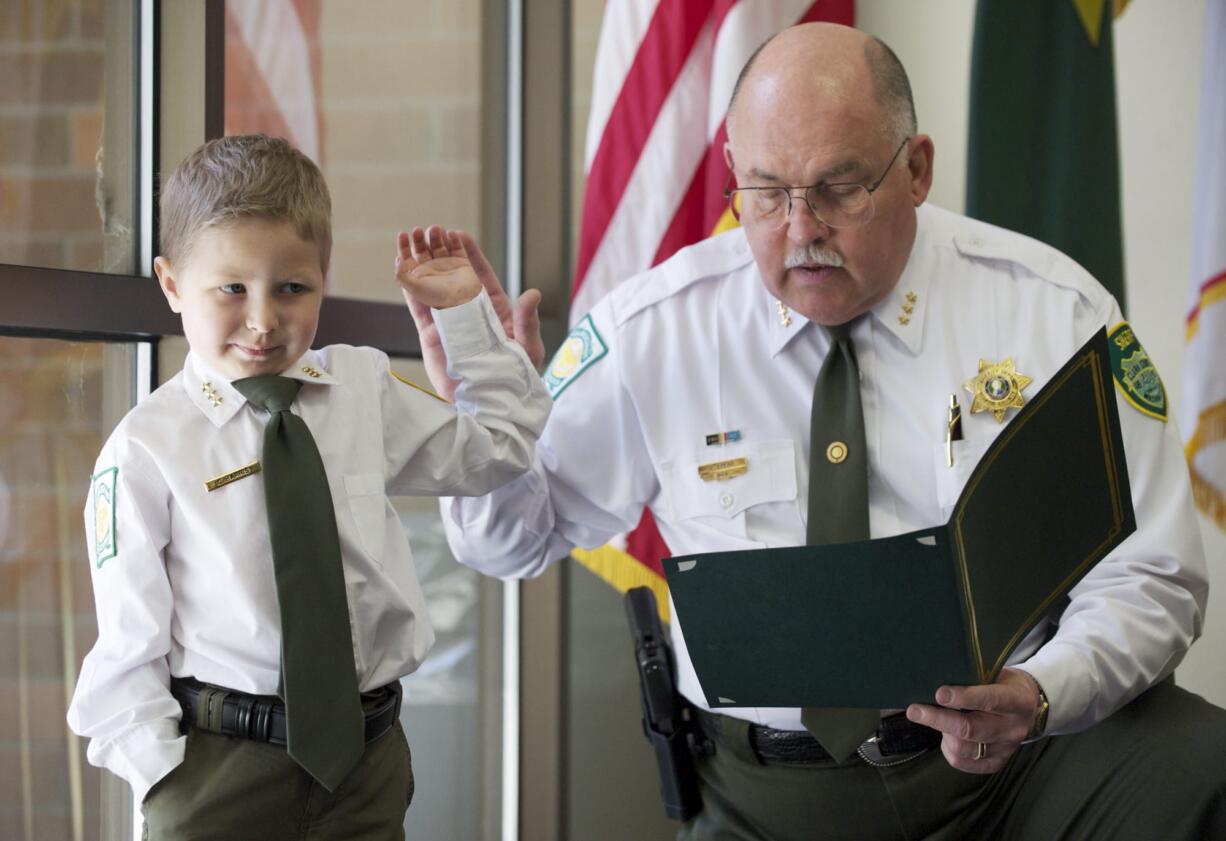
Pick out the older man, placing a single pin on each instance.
(714, 356)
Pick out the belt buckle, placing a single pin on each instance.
(870, 752)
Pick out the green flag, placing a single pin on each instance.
(1043, 157)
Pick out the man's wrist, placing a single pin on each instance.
(1038, 726)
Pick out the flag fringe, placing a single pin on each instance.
(1210, 429)
(623, 571)
(1209, 499)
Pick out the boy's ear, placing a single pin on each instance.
(166, 279)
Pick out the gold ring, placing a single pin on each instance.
(981, 751)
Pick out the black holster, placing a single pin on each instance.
(667, 720)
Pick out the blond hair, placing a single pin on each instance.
(241, 177)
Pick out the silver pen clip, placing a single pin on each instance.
(953, 428)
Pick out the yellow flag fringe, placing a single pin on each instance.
(1210, 429)
(622, 571)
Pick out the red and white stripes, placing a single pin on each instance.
(272, 71)
(654, 159)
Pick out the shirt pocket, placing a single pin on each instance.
(951, 480)
(368, 506)
(723, 507)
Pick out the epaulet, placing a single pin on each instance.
(705, 260)
(989, 243)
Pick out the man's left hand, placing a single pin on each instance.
(997, 716)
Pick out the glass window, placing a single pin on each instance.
(384, 95)
(442, 710)
(61, 400)
(66, 135)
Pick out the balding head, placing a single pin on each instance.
(822, 115)
(822, 54)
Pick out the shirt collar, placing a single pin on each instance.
(903, 310)
(782, 325)
(219, 401)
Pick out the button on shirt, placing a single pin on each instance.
(696, 347)
(191, 590)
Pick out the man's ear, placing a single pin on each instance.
(166, 279)
(728, 155)
(919, 165)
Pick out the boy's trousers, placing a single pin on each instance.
(228, 789)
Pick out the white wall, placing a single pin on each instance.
(1158, 49)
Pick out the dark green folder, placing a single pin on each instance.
(883, 623)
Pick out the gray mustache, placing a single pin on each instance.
(813, 255)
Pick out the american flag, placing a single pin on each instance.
(272, 71)
(655, 165)
(1204, 401)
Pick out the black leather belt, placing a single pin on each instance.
(896, 740)
(262, 717)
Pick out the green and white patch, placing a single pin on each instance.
(582, 349)
(1135, 374)
(105, 544)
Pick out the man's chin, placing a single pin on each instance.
(810, 276)
(237, 369)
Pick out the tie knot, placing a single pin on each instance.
(839, 332)
(269, 391)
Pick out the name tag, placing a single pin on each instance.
(718, 471)
(233, 476)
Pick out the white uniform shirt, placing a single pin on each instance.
(190, 589)
(696, 347)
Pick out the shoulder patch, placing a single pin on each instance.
(583, 347)
(1135, 374)
(105, 544)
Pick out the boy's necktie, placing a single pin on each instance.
(838, 507)
(323, 708)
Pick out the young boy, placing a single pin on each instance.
(251, 631)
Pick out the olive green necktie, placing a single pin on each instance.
(838, 507)
(319, 684)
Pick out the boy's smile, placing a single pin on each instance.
(249, 293)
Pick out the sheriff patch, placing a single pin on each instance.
(1135, 374)
(105, 546)
(582, 349)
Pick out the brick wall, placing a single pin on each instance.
(51, 117)
(52, 424)
(401, 105)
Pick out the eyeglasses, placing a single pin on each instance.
(837, 205)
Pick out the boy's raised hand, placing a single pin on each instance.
(433, 268)
(520, 321)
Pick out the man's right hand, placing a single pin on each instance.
(520, 320)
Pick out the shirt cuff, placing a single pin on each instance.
(1067, 682)
(469, 329)
(146, 754)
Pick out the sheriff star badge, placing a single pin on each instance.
(997, 388)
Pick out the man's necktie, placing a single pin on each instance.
(838, 507)
(323, 707)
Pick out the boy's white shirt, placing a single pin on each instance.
(189, 590)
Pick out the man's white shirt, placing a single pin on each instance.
(696, 347)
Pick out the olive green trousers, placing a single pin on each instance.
(1154, 770)
(230, 789)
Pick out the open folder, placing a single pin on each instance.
(883, 623)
